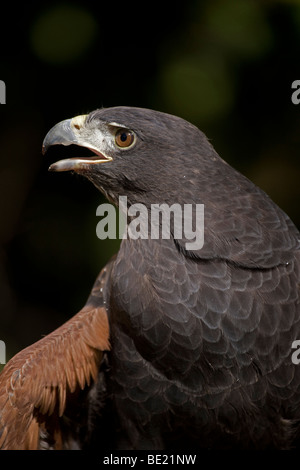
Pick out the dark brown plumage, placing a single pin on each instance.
(198, 352)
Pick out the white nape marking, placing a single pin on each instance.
(116, 124)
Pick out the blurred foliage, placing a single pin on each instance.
(225, 65)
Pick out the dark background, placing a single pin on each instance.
(225, 65)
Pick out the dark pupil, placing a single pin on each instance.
(124, 136)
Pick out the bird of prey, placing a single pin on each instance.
(175, 348)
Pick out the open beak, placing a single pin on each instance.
(68, 132)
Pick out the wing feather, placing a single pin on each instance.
(37, 381)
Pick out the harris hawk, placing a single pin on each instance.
(175, 348)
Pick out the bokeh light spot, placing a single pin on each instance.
(239, 27)
(197, 88)
(63, 34)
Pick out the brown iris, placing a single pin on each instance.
(124, 138)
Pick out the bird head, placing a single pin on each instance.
(153, 158)
(143, 154)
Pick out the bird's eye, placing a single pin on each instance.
(124, 138)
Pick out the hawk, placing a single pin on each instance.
(175, 348)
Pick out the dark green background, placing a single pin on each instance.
(225, 65)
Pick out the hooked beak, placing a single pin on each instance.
(68, 132)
